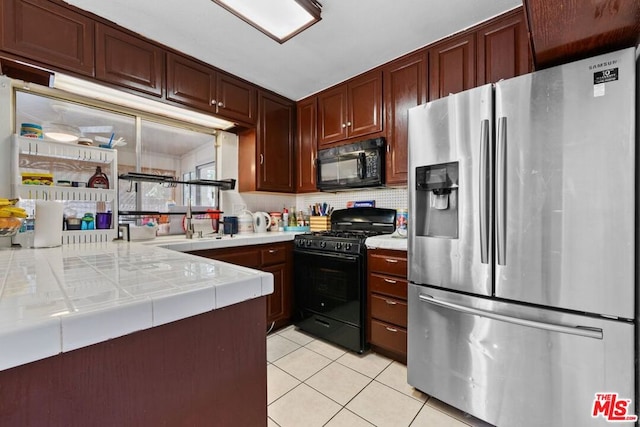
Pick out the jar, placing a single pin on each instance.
(276, 217)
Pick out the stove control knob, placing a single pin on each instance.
(338, 245)
(347, 246)
(301, 242)
(323, 244)
(309, 242)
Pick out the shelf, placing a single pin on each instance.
(157, 213)
(53, 192)
(63, 150)
(224, 184)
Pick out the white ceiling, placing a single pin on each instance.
(352, 37)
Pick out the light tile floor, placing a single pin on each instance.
(314, 383)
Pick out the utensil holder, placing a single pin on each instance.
(320, 223)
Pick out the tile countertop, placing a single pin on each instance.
(387, 241)
(59, 299)
(181, 244)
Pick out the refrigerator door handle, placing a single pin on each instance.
(583, 331)
(501, 190)
(484, 191)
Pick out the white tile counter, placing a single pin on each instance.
(59, 299)
(182, 244)
(387, 241)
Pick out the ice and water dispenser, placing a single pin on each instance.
(436, 212)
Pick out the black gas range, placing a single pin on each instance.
(330, 275)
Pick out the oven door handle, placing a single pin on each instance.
(339, 256)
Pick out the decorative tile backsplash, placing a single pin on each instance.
(233, 202)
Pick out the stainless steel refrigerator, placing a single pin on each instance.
(523, 247)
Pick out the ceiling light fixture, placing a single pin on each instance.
(279, 19)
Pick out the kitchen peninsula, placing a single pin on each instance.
(130, 334)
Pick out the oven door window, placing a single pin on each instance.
(329, 284)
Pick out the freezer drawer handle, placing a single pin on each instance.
(583, 331)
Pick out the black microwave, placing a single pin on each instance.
(356, 165)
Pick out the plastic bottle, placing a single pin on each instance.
(285, 217)
(98, 180)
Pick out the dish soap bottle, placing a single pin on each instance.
(99, 180)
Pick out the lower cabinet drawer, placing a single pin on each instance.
(389, 309)
(388, 285)
(389, 336)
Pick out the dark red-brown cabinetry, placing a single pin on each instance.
(351, 109)
(48, 34)
(502, 48)
(199, 86)
(405, 86)
(275, 258)
(129, 61)
(265, 161)
(306, 145)
(387, 302)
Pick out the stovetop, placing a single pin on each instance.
(349, 230)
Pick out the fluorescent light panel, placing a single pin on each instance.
(113, 96)
(279, 19)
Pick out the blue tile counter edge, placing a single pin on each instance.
(60, 299)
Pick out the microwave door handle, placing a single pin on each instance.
(362, 165)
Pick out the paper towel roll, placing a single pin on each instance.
(48, 228)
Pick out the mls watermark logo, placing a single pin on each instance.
(612, 409)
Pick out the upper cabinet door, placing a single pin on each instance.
(190, 83)
(45, 32)
(365, 105)
(503, 48)
(275, 144)
(350, 109)
(405, 86)
(332, 110)
(129, 61)
(306, 147)
(236, 99)
(452, 66)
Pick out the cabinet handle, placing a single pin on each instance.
(344, 125)
(391, 261)
(391, 329)
(213, 102)
(220, 104)
(261, 159)
(273, 251)
(389, 302)
(393, 282)
(349, 124)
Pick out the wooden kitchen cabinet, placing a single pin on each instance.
(129, 61)
(405, 86)
(49, 34)
(265, 154)
(351, 109)
(502, 48)
(387, 302)
(275, 258)
(452, 66)
(199, 86)
(562, 31)
(306, 145)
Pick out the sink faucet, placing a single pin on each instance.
(188, 226)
